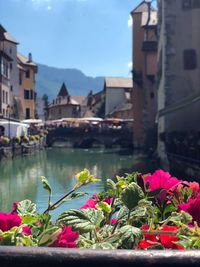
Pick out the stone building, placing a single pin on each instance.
(144, 57)
(9, 72)
(118, 97)
(178, 70)
(65, 106)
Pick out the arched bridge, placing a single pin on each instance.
(87, 138)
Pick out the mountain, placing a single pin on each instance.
(50, 79)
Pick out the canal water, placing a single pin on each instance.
(20, 177)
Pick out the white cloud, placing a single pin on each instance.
(130, 65)
(49, 7)
(130, 21)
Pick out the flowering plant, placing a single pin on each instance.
(152, 211)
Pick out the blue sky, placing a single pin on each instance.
(91, 35)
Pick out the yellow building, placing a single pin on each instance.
(27, 72)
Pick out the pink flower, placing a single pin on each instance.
(108, 200)
(67, 239)
(113, 221)
(161, 179)
(26, 230)
(90, 204)
(8, 221)
(193, 208)
(14, 208)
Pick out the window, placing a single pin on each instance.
(3, 96)
(11, 88)
(27, 113)
(187, 4)
(20, 78)
(28, 94)
(190, 59)
(152, 95)
(196, 3)
(28, 74)
(10, 66)
(6, 97)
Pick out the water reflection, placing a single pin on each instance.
(19, 179)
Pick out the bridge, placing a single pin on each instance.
(78, 137)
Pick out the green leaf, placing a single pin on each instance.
(49, 236)
(131, 195)
(154, 193)
(29, 219)
(83, 176)
(105, 207)
(26, 207)
(130, 236)
(83, 221)
(104, 245)
(46, 184)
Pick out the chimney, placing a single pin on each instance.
(29, 57)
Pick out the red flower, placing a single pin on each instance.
(8, 221)
(169, 241)
(166, 240)
(67, 239)
(193, 208)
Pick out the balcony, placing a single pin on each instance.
(149, 46)
(137, 77)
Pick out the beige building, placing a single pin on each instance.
(27, 94)
(144, 72)
(178, 70)
(118, 97)
(65, 106)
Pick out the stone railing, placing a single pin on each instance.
(19, 256)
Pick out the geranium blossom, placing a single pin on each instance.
(154, 239)
(193, 208)
(161, 179)
(67, 239)
(8, 221)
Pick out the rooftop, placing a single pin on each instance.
(24, 60)
(7, 36)
(118, 82)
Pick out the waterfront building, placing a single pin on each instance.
(9, 73)
(144, 57)
(118, 97)
(65, 105)
(27, 70)
(178, 79)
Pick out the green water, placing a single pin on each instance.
(19, 178)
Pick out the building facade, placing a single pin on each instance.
(144, 57)
(64, 105)
(27, 70)
(118, 97)
(9, 72)
(178, 77)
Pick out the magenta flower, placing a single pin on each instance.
(90, 204)
(8, 221)
(26, 230)
(67, 239)
(161, 179)
(193, 208)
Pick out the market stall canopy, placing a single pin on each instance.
(13, 128)
(32, 121)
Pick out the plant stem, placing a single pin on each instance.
(50, 207)
(129, 214)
